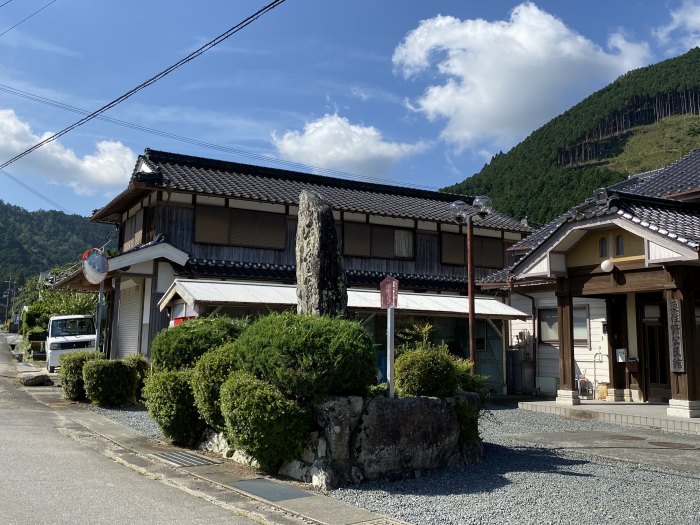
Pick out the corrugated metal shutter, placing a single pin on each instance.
(129, 322)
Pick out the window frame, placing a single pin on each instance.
(375, 228)
(229, 217)
(577, 342)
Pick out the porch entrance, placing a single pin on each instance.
(653, 338)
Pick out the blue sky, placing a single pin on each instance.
(411, 92)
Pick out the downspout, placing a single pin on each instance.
(511, 289)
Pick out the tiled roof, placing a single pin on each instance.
(287, 273)
(678, 221)
(676, 179)
(230, 179)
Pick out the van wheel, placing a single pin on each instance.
(52, 369)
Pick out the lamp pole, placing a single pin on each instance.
(464, 214)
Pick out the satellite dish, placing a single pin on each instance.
(95, 265)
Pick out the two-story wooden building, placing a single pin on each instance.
(615, 289)
(183, 219)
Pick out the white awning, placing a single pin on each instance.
(196, 292)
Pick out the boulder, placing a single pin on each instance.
(321, 286)
(35, 379)
(398, 437)
(338, 417)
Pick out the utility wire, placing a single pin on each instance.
(8, 1)
(257, 156)
(25, 19)
(35, 192)
(233, 30)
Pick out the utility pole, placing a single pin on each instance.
(7, 299)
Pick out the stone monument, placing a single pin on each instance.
(321, 286)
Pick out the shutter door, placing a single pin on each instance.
(129, 322)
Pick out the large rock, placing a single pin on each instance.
(338, 417)
(35, 379)
(321, 286)
(399, 437)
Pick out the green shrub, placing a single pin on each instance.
(308, 357)
(170, 403)
(71, 373)
(467, 380)
(109, 383)
(260, 421)
(468, 417)
(180, 346)
(380, 390)
(141, 368)
(425, 373)
(210, 372)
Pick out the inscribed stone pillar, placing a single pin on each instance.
(320, 276)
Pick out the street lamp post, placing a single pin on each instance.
(464, 214)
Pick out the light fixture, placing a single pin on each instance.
(607, 265)
(462, 213)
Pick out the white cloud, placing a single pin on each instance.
(503, 79)
(683, 31)
(109, 166)
(333, 142)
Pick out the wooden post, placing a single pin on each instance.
(470, 291)
(568, 392)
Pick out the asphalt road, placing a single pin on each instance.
(47, 476)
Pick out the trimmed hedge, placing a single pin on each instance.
(109, 383)
(426, 373)
(179, 347)
(141, 368)
(71, 373)
(170, 403)
(210, 372)
(261, 421)
(309, 357)
(467, 380)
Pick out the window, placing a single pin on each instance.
(619, 245)
(132, 231)
(371, 240)
(236, 227)
(488, 251)
(549, 325)
(603, 247)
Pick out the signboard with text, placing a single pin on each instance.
(675, 336)
(389, 292)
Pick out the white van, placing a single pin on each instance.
(69, 333)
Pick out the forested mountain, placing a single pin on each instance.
(33, 242)
(561, 163)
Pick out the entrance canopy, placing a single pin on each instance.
(196, 292)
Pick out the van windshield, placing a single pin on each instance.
(63, 327)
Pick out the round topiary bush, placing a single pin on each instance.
(425, 373)
(467, 380)
(109, 383)
(309, 357)
(210, 372)
(180, 346)
(261, 421)
(170, 403)
(141, 368)
(71, 373)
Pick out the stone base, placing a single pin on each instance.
(615, 395)
(568, 397)
(683, 408)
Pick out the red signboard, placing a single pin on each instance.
(389, 292)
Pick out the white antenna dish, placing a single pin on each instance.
(95, 265)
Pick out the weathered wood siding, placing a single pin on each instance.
(177, 224)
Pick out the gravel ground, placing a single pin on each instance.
(133, 417)
(518, 483)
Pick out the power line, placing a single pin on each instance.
(217, 147)
(233, 30)
(8, 1)
(35, 192)
(25, 19)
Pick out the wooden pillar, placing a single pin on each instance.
(568, 390)
(684, 351)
